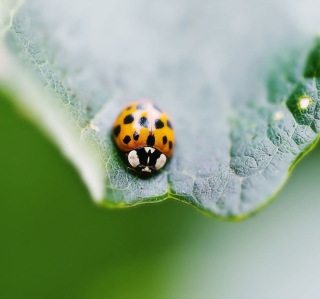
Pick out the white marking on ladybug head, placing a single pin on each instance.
(147, 149)
(146, 169)
(161, 161)
(133, 158)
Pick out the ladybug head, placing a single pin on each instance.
(146, 159)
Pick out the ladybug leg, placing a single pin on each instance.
(132, 169)
(136, 170)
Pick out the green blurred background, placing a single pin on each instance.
(55, 243)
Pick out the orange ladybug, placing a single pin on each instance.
(144, 132)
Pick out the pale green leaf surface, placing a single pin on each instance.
(230, 74)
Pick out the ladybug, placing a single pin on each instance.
(145, 134)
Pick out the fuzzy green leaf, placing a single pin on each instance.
(241, 92)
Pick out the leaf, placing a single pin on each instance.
(241, 92)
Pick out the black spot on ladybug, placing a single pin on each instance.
(164, 139)
(151, 140)
(159, 124)
(135, 136)
(126, 139)
(129, 107)
(170, 144)
(143, 121)
(169, 124)
(117, 130)
(157, 108)
(141, 106)
(128, 119)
